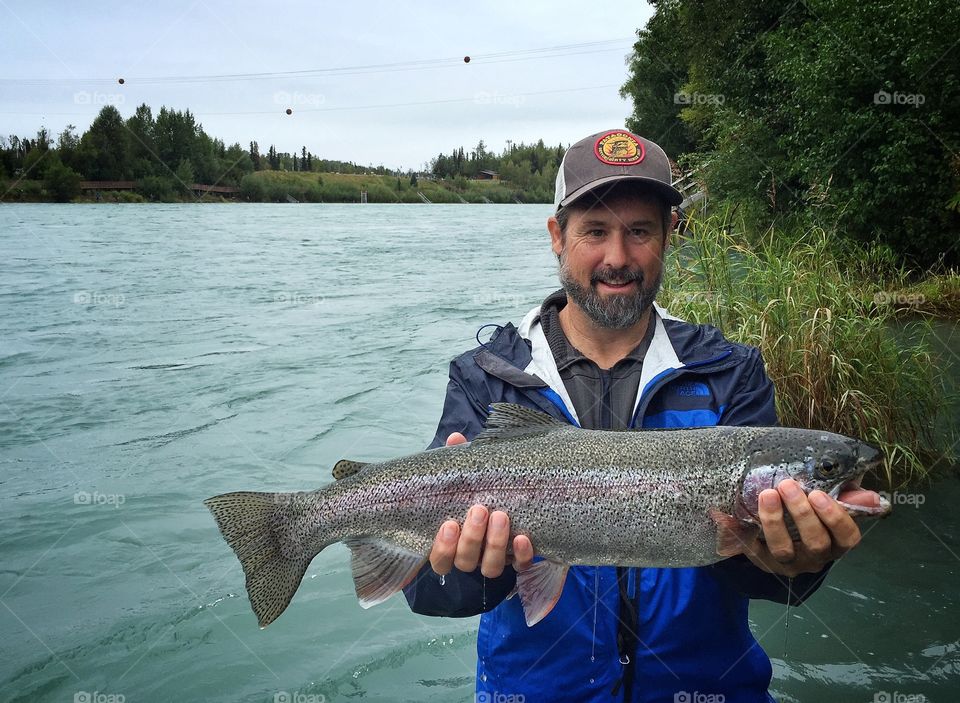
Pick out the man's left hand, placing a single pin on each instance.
(826, 531)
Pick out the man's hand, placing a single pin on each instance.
(483, 540)
(826, 531)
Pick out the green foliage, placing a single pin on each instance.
(103, 148)
(829, 111)
(826, 332)
(158, 188)
(184, 176)
(23, 190)
(61, 182)
(657, 75)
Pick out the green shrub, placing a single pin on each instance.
(832, 352)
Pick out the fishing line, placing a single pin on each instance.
(786, 621)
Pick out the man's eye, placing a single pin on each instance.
(640, 232)
(596, 233)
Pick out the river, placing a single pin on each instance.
(154, 355)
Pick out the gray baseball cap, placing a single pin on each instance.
(610, 156)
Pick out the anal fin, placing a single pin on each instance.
(540, 587)
(380, 568)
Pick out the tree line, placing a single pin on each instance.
(167, 153)
(531, 168)
(835, 113)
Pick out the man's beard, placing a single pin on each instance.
(618, 310)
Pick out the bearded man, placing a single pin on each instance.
(601, 354)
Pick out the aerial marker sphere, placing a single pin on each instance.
(466, 59)
(289, 111)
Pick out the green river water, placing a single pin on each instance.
(154, 355)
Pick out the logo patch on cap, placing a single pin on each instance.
(619, 149)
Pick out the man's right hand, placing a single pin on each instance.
(482, 540)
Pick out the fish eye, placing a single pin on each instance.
(827, 468)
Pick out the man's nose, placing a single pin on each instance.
(615, 254)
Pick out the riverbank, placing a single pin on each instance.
(298, 186)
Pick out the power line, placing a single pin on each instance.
(483, 98)
(557, 51)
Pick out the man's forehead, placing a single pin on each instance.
(632, 209)
(614, 201)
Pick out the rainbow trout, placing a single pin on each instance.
(657, 498)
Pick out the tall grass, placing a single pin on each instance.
(838, 359)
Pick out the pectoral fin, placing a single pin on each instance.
(380, 568)
(540, 587)
(733, 535)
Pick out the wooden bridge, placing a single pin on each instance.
(198, 189)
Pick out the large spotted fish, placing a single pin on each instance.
(658, 498)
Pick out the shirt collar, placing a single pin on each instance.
(565, 353)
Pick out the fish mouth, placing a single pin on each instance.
(856, 510)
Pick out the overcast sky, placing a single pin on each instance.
(62, 61)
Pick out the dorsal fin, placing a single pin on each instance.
(345, 467)
(509, 420)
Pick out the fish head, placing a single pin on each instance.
(817, 461)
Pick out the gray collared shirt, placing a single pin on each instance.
(603, 398)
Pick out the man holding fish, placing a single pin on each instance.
(649, 544)
(600, 354)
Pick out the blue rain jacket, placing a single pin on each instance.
(694, 637)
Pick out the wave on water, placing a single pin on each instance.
(352, 681)
(167, 367)
(163, 439)
(225, 351)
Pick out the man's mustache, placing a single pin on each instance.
(617, 277)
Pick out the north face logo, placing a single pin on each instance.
(693, 388)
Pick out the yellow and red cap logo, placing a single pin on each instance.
(619, 148)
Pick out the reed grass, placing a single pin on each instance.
(832, 343)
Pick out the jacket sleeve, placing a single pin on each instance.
(459, 594)
(752, 403)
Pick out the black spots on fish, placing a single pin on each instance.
(345, 467)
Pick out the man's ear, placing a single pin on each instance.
(556, 236)
(668, 236)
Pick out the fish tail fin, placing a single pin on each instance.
(273, 560)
